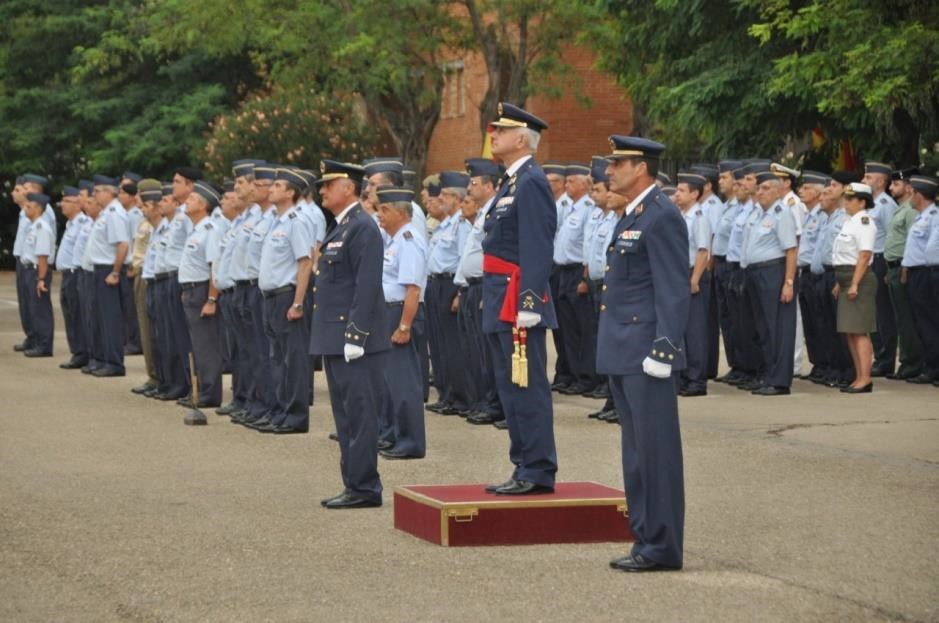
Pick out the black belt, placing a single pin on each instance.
(226, 290)
(281, 290)
(571, 266)
(893, 263)
(193, 285)
(734, 264)
(103, 266)
(720, 258)
(596, 282)
(913, 269)
(394, 303)
(876, 255)
(246, 282)
(473, 280)
(778, 260)
(149, 280)
(828, 267)
(442, 276)
(166, 275)
(837, 266)
(27, 264)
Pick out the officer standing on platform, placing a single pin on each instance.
(911, 349)
(404, 275)
(517, 308)
(200, 297)
(484, 178)
(37, 253)
(284, 279)
(69, 264)
(107, 248)
(572, 305)
(642, 320)
(769, 257)
(921, 273)
(877, 176)
(350, 332)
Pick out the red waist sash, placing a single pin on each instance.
(498, 266)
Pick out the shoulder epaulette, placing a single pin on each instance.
(791, 202)
(698, 213)
(208, 225)
(408, 235)
(865, 220)
(293, 215)
(778, 209)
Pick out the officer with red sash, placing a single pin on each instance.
(517, 308)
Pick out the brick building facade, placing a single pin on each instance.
(575, 132)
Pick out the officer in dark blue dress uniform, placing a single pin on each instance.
(350, 332)
(517, 307)
(643, 314)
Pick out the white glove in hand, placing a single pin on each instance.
(526, 320)
(656, 368)
(353, 352)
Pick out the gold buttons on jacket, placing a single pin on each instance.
(603, 308)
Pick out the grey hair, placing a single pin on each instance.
(532, 138)
(402, 206)
(459, 192)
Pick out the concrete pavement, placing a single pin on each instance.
(817, 506)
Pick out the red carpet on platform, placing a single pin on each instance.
(460, 515)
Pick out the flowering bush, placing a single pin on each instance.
(289, 126)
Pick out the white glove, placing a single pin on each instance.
(353, 352)
(526, 320)
(656, 368)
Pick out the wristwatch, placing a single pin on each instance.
(403, 328)
(212, 299)
(789, 282)
(296, 306)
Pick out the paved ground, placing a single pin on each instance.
(815, 507)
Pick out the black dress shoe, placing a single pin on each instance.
(334, 436)
(922, 379)
(523, 487)
(610, 417)
(501, 424)
(494, 488)
(769, 390)
(151, 393)
(573, 390)
(397, 455)
(436, 406)
(107, 372)
(691, 393)
(905, 373)
(593, 415)
(559, 385)
(131, 351)
(71, 364)
(850, 389)
(35, 352)
(288, 430)
(326, 501)
(384, 444)
(636, 563)
(20, 347)
(880, 371)
(259, 423)
(228, 409)
(483, 418)
(184, 401)
(347, 500)
(142, 389)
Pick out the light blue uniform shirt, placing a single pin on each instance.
(699, 232)
(221, 270)
(595, 251)
(314, 215)
(725, 223)
(735, 240)
(199, 252)
(66, 258)
(594, 217)
(256, 243)
(39, 241)
(881, 213)
(569, 242)
(288, 240)
(471, 258)
(175, 241)
(562, 204)
(23, 224)
(109, 230)
(405, 263)
(922, 241)
(713, 208)
(447, 244)
(238, 269)
(810, 232)
(80, 252)
(148, 270)
(826, 240)
(768, 234)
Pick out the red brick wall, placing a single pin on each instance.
(575, 132)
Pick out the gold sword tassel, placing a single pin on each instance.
(516, 357)
(523, 358)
